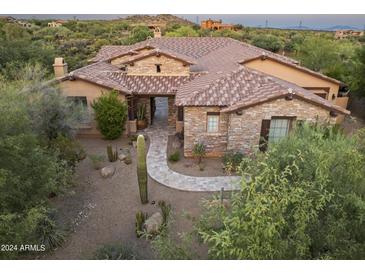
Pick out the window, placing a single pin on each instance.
(279, 128)
(80, 103)
(158, 68)
(213, 122)
(78, 100)
(273, 130)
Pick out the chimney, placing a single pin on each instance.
(157, 32)
(59, 67)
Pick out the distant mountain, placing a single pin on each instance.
(339, 27)
(299, 27)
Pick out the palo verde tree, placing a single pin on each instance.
(303, 199)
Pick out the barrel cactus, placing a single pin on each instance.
(142, 169)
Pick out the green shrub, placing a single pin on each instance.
(231, 161)
(199, 151)
(69, 149)
(174, 157)
(110, 115)
(297, 201)
(269, 42)
(115, 252)
(47, 232)
(97, 161)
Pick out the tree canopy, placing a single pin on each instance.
(303, 199)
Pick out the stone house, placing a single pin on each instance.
(225, 93)
(342, 34)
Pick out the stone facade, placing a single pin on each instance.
(242, 132)
(169, 66)
(172, 110)
(195, 130)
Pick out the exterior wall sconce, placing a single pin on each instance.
(289, 96)
(333, 113)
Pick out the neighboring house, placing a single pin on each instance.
(56, 24)
(227, 94)
(23, 24)
(215, 25)
(341, 34)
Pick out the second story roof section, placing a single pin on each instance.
(154, 62)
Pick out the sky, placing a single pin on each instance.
(251, 20)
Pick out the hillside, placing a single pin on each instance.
(160, 19)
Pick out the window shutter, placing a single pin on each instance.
(264, 135)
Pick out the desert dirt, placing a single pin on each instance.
(99, 211)
(189, 166)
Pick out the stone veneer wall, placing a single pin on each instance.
(172, 110)
(244, 130)
(195, 130)
(169, 66)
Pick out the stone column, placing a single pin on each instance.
(172, 110)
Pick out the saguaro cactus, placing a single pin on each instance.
(142, 169)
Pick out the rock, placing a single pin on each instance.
(107, 171)
(153, 223)
(122, 156)
(128, 159)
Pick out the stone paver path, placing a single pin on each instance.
(158, 169)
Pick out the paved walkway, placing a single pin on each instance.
(158, 169)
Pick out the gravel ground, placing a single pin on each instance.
(188, 166)
(102, 211)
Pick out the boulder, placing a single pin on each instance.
(153, 223)
(122, 156)
(107, 171)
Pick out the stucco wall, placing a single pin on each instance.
(169, 66)
(244, 130)
(293, 75)
(195, 130)
(91, 92)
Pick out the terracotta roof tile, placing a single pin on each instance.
(217, 77)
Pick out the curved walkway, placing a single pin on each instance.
(158, 169)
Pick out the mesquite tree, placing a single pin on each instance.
(142, 169)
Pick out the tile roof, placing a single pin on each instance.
(218, 75)
(151, 85)
(157, 51)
